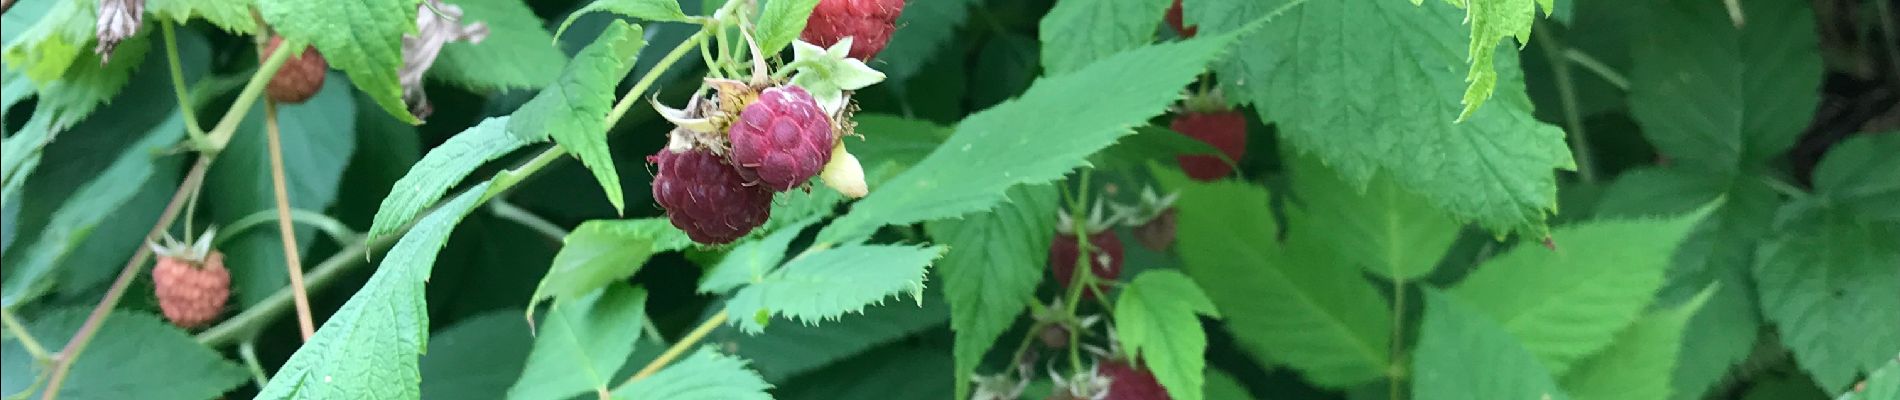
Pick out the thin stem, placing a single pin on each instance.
(1573, 119)
(330, 226)
(639, 88)
(678, 348)
(248, 351)
(509, 211)
(1022, 347)
(293, 262)
(1783, 187)
(227, 126)
(1398, 334)
(77, 344)
(26, 339)
(1084, 269)
(1597, 67)
(246, 324)
(192, 128)
(1887, 24)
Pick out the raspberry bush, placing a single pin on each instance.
(928, 199)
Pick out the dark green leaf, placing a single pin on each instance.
(581, 343)
(1380, 227)
(996, 259)
(517, 54)
(442, 169)
(706, 375)
(1079, 32)
(1462, 354)
(650, 10)
(477, 357)
(827, 284)
(574, 109)
(793, 349)
(1820, 275)
(601, 252)
(133, 355)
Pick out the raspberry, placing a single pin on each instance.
(1226, 130)
(1130, 382)
(1107, 255)
(1158, 233)
(191, 293)
(706, 197)
(868, 22)
(1174, 21)
(782, 139)
(299, 78)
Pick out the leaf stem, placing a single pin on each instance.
(1393, 372)
(508, 211)
(1084, 269)
(1567, 91)
(293, 262)
(1783, 187)
(330, 226)
(1597, 67)
(639, 88)
(192, 128)
(677, 348)
(248, 352)
(227, 126)
(26, 339)
(246, 324)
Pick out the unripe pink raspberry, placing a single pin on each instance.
(868, 22)
(706, 197)
(782, 139)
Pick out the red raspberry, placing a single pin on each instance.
(868, 22)
(782, 139)
(1226, 130)
(1107, 255)
(299, 78)
(1174, 21)
(1130, 382)
(191, 293)
(706, 197)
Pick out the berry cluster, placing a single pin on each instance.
(190, 281)
(868, 22)
(718, 188)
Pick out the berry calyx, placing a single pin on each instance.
(782, 139)
(190, 281)
(706, 197)
(1225, 130)
(299, 78)
(868, 22)
(1174, 21)
(1105, 260)
(1127, 381)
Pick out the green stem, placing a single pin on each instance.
(26, 339)
(677, 348)
(639, 88)
(1394, 372)
(330, 226)
(1084, 271)
(228, 125)
(509, 211)
(245, 325)
(248, 352)
(192, 128)
(1599, 68)
(1783, 187)
(1567, 92)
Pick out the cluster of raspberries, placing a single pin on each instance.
(780, 141)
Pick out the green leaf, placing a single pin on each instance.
(1638, 364)
(93, 204)
(1384, 229)
(908, 371)
(1568, 303)
(1858, 175)
(1819, 276)
(890, 138)
(477, 357)
(231, 15)
(1363, 85)
(517, 54)
(1491, 22)
(602, 252)
(317, 137)
(90, 83)
(574, 109)
(1721, 99)
(996, 258)
(1035, 138)
(705, 375)
(1461, 354)
(650, 10)
(1149, 143)
(923, 29)
(1156, 313)
(133, 355)
(792, 351)
(1222, 386)
(781, 22)
(1883, 383)
(441, 170)
(363, 38)
(826, 284)
(750, 261)
(369, 347)
(61, 38)
(582, 343)
(1297, 304)
(1078, 32)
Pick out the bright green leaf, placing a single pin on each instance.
(478, 357)
(369, 347)
(363, 38)
(705, 375)
(581, 343)
(1078, 32)
(1297, 304)
(996, 258)
(1036, 138)
(750, 261)
(1858, 174)
(88, 84)
(781, 22)
(317, 139)
(1155, 317)
(1638, 363)
(441, 170)
(1721, 99)
(650, 10)
(1384, 229)
(574, 109)
(1491, 22)
(895, 139)
(133, 355)
(826, 284)
(60, 38)
(1820, 276)
(602, 252)
(1364, 85)
(1461, 354)
(1568, 303)
(231, 15)
(517, 54)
